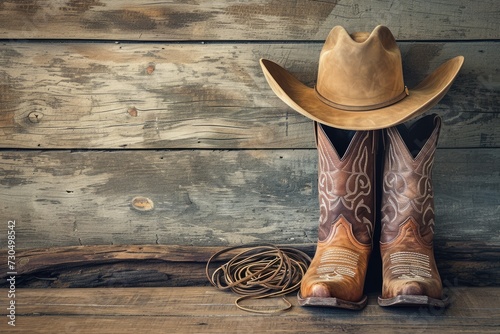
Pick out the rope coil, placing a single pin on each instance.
(260, 272)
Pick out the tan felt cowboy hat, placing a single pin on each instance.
(360, 83)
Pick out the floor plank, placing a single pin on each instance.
(206, 310)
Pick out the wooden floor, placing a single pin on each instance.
(206, 310)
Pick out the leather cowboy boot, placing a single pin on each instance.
(346, 187)
(410, 275)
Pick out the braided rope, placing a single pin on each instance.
(259, 272)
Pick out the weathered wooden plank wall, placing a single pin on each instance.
(104, 101)
(244, 20)
(204, 95)
(211, 197)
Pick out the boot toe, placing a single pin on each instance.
(430, 288)
(412, 288)
(319, 290)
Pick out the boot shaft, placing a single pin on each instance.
(346, 183)
(407, 181)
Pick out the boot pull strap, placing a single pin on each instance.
(315, 124)
(374, 141)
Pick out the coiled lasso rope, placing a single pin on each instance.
(259, 272)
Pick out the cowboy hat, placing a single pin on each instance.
(360, 83)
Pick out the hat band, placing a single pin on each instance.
(395, 99)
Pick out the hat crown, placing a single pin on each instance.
(360, 71)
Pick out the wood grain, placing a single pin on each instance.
(206, 310)
(102, 95)
(460, 263)
(136, 137)
(258, 20)
(207, 198)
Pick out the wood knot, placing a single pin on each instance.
(132, 111)
(23, 261)
(35, 117)
(141, 203)
(150, 69)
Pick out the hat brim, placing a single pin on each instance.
(304, 99)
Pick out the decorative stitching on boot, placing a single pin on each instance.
(407, 186)
(337, 262)
(410, 265)
(346, 190)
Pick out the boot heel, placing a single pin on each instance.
(414, 300)
(332, 302)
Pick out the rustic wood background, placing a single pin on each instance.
(150, 123)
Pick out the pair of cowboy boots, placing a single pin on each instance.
(347, 196)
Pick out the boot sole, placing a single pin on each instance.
(413, 300)
(332, 302)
